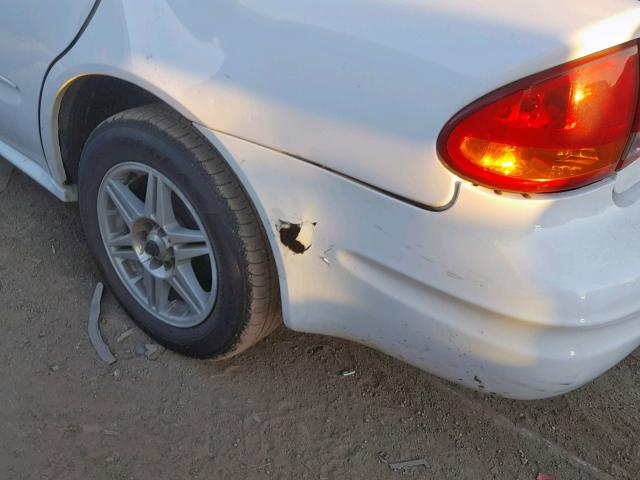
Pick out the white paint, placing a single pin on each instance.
(66, 193)
(525, 297)
(360, 86)
(476, 294)
(32, 34)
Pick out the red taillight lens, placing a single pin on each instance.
(558, 130)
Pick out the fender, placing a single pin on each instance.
(308, 79)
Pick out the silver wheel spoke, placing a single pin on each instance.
(157, 292)
(128, 205)
(123, 240)
(125, 254)
(186, 285)
(179, 235)
(158, 204)
(187, 252)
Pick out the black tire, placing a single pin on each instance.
(247, 307)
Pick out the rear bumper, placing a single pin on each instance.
(527, 298)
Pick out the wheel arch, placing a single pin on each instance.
(82, 105)
(85, 101)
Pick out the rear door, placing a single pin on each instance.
(32, 34)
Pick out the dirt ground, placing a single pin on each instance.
(279, 411)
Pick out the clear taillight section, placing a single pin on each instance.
(557, 130)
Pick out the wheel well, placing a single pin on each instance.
(85, 104)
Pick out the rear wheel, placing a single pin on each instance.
(176, 235)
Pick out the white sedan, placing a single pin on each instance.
(451, 183)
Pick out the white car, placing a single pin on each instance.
(450, 182)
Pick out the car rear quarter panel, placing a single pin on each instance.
(360, 86)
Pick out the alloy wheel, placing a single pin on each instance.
(157, 244)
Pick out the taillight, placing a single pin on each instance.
(557, 130)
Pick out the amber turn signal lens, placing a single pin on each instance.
(557, 130)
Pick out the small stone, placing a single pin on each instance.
(523, 457)
(116, 374)
(124, 335)
(151, 351)
(54, 368)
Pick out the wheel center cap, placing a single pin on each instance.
(152, 248)
(155, 245)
